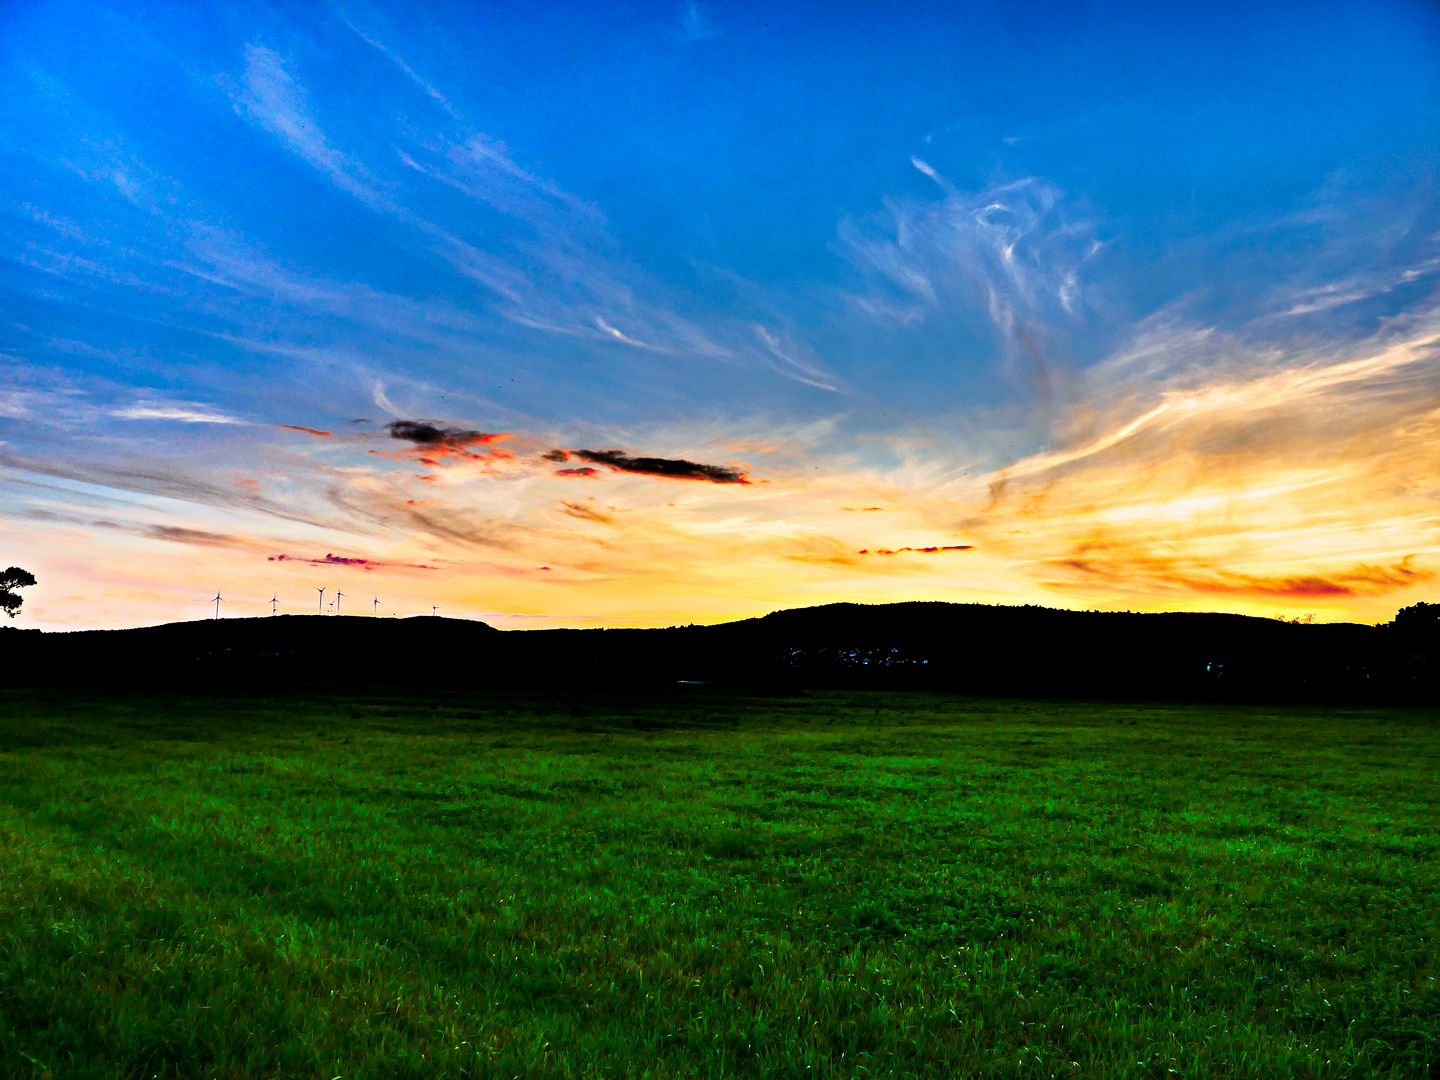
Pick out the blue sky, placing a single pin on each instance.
(902, 247)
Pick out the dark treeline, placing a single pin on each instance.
(970, 648)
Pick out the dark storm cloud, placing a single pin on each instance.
(670, 468)
(430, 436)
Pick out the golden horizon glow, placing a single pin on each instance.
(1257, 484)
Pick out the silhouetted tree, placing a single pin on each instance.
(1418, 615)
(10, 580)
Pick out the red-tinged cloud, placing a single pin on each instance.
(433, 442)
(669, 468)
(1359, 581)
(918, 550)
(306, 430)
(341, 560)
(1299, 588)
(583, 471)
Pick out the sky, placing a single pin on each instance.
(652, 314)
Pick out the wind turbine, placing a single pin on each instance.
(217, 604)
(321, 609)
(338, 594)
(375, 607)
(433, 609)
(273, 603)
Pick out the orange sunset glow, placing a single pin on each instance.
(432, 353)
(1180, 477)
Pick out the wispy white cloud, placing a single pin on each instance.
(619, 335)
(1356, 288)
(695, 24)
(558, 282)
(230, 261)
(925, 168)
(792, 366)
(484, 169)
(66, 227)
(1012, 252)
(185, 412)
(272, 97)
(46, 396)
(383, 401)
(410, 72)
(100, 156)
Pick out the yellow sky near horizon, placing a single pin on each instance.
(1262, 484)
(1265, 486)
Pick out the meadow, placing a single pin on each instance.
(367, 886)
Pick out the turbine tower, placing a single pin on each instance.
(320, 610)
(338, 594)
(217, 605)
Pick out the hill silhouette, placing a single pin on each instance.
(972, 648)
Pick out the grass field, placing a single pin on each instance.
(827, 885)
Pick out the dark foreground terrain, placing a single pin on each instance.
(834, 884)
(957, 648)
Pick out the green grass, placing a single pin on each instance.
(835, 884)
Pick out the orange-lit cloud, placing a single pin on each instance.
(1188, 472)
(1310, 478)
